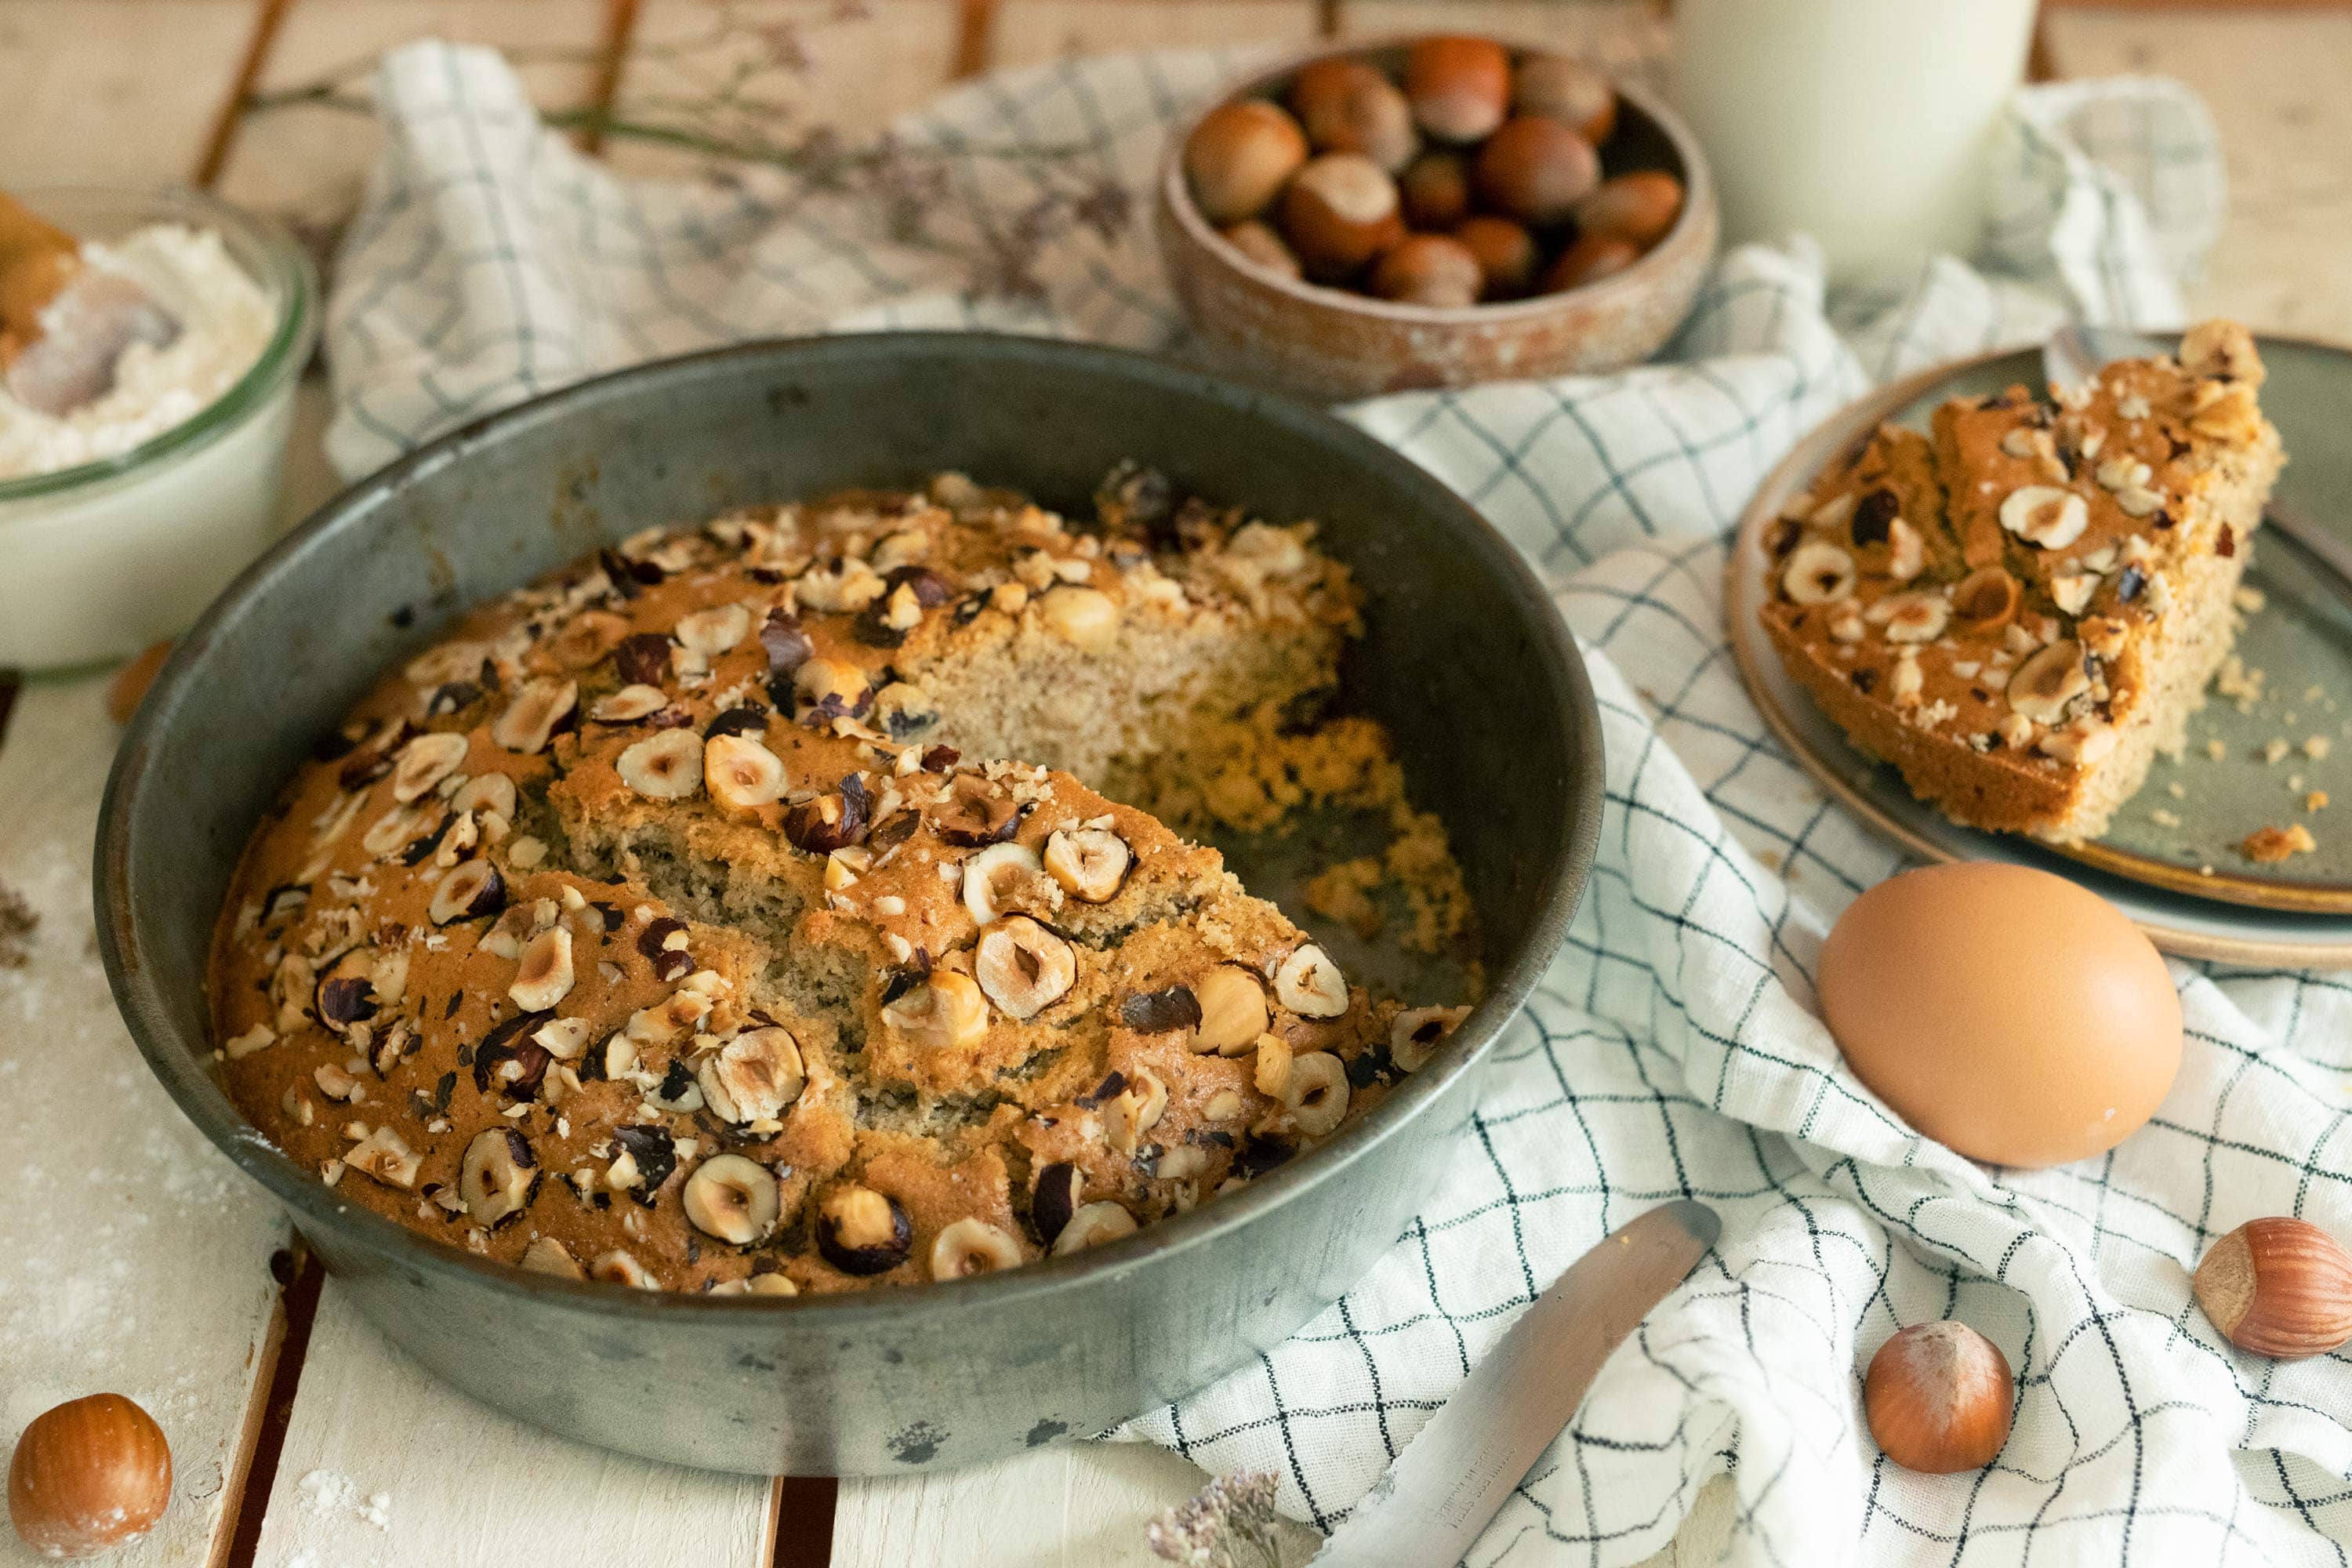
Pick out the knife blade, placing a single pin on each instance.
(1455, 1474)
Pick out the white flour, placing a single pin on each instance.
(226, 321)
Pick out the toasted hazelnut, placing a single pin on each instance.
(1938, 1398)
(2045, 515)
(1054, 1198)
(1914, 618)
(667, 766)
(1270, 1073)
(2278, 1287)
(1160, 1012)
(829, 823)
(543, 974)
(425, 762)
(832, 685)
(756, 1285)
(629, 704)
(1315, 1092)
(1086, 618)
(532, 717)
(1348, 106)
(2222, 350)
(1416, 1033)
(1430, 269)
(486, 795)
(565, 1040)
(1339, 214)
(1589, 260)
(755, 1076)
(971, 1247)
(467, 890)
(498, 1177)
(732, 1198)
(993, 873)
(545, 1255)
(2046, 682)
(1817, 573)
(618, 1267)
(976, 812)
(1022, 967)
(1639, 208)
(1507, 252)
(1092, 1225)
(1436, 190)
(946, 1012)
(1233, 1010)
(1985, 600)
(386, 1157)
(716, 630)
(1134, 1110)
(2085, 742)
(740, 773)
(1459, 88)
(863, 1232)
(1091, 863)
(1260, 245)
(1535, 169)
(1566, 90)
(1310, 984)
(88, 1476)
(1240, 156)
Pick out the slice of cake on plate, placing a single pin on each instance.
(2022, 608)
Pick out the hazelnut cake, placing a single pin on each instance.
(726, 912)
(2020, 608)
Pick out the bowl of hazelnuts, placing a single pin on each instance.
(1433, 212)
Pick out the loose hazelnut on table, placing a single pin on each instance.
(1240, 156)
(1348, 106)
(1566, 90)
(1640, 207)
(1535, 169)
(88, 1476)
(1340, 213)
(1589, 260)
(1460, 88)
(1261, 245)
(2279, 1287)
(1938, 1397)
(1430, 269)
(1507, 255)
(1435, 189)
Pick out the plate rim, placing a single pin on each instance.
(1741, 585)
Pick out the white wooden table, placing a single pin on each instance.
(138, 1261)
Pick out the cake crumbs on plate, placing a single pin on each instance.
(2216, 750)
(2275, 749)
(2239, 682)
(2249, 598)
(2316, 801)
(2269, 846)
(2164, 818)
(2177, 790)
(2316, 747)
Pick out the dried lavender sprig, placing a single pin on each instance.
(1229, 1523)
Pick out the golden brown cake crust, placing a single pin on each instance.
(2018, 610)
(656, 924)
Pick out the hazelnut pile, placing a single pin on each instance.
(1477, 178)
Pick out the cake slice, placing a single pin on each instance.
(2022, 608)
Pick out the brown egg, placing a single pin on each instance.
(1430, 269)
(1507, 254)
(1589, 260)
(87, 1477)
(1566, 90)
(1263, 245)
(1535, 170)
(1640, 207)
(1238, 157)
(1347, 106)
(2002, 1010)
(1460, 88)
(1339, 212)
(1436, 187)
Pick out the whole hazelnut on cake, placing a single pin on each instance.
(1239, 157)
(88, 1476)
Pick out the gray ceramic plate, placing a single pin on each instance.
(2154, 860)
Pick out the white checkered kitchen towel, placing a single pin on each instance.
(1673, 1050)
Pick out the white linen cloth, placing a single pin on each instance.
(1673, 1050)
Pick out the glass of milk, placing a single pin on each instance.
(1865, 123)
(126, 544)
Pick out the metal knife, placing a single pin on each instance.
(1454, 1477)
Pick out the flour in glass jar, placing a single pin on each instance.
(226, 321)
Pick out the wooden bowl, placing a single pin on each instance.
(1331, 343)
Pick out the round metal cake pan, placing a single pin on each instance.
(1464, 659)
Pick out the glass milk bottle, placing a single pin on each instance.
(1865, 123)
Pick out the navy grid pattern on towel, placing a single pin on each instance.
(1672, 1050)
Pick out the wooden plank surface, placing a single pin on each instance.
(1026, 32)
(113, 89)
(137, 1256)
(383, 1464)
